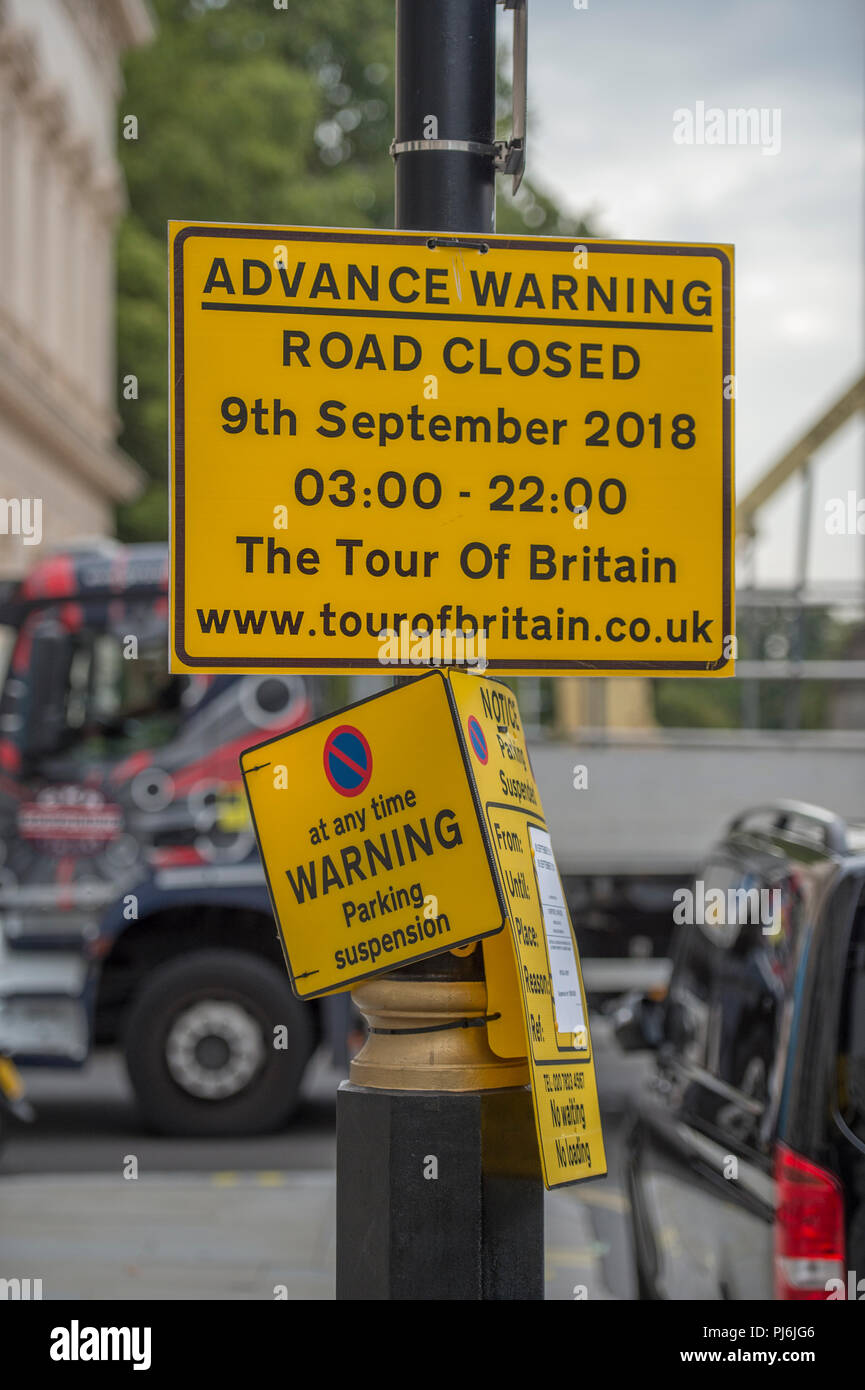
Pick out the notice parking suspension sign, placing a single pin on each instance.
(535, 995)
(380, 434)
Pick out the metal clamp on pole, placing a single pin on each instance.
(466, 146)
(511, 154)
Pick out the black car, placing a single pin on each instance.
(746, 1159)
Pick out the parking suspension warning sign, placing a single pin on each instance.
(371, 838)
(390, 450)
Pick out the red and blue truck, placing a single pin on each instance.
(133, 906)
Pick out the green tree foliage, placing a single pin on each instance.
(249, 113)
(766, 633)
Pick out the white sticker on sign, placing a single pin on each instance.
(557, 928)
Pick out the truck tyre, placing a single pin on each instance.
(217, 1044)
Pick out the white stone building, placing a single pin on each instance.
(61, 193)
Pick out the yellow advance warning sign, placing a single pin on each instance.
(519, 448)
(533, 975)
(372, 840)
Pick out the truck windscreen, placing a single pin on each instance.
(119, 690)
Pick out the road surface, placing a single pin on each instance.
(96, 1208)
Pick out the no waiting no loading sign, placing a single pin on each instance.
(347, 760)
(477, 740)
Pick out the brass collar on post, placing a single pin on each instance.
(429, 1036)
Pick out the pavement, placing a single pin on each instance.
(116, 1214)
(223, 1236)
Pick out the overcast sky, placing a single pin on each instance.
(603, 85)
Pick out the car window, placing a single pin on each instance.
(7, 646)
(851, 1033)
(728, 1011)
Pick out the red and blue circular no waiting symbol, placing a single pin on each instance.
(347, 760)
(478, 742)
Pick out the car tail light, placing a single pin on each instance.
(809, 1227)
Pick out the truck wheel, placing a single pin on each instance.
(200, 1045)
